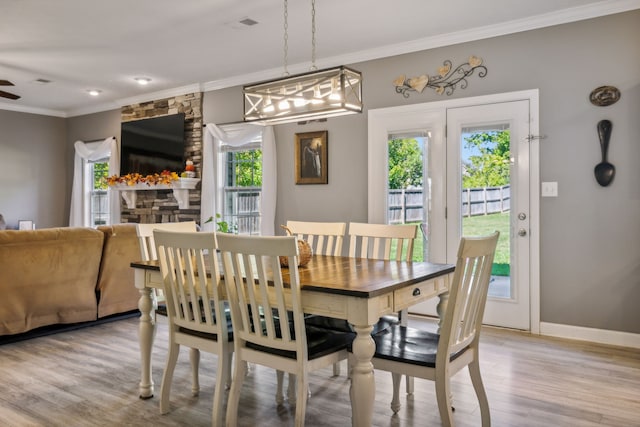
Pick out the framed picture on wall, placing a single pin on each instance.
(311, 158)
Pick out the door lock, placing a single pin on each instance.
(522, 216)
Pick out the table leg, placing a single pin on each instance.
(363, 387)
(146, 334)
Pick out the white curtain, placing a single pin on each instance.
(86, 152)
(236, 136)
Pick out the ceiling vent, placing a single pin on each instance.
(248, 22)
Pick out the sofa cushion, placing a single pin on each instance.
(116, 291)
(48, 276)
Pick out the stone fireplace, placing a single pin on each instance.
(156, 206)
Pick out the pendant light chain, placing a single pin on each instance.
(286, 37)
(313, 35)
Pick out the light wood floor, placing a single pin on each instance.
(89, 377)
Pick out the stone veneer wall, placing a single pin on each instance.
(156, 206)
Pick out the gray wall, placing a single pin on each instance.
(590, 235)
(32, 169)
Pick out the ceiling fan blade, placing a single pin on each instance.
(5, 83)
(4, 94)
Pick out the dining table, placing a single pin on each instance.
(358, 290)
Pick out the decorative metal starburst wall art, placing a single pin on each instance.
(446, 81)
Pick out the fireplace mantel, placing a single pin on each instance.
(180, 189)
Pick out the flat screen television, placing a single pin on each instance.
(150, 146)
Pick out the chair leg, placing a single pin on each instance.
(227, 385)
(443, 396)
(167, 377)
(194, 357)
(476, 380)
(302, 384)
(336, 369)
(279, 387)
(395, 400)
(222, 378)
(239, 373)
(410, 386)
(291, 389)
(403, 318)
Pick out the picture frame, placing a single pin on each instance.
(312, 157)
(25, 224)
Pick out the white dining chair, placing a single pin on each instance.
(387, 242)
(197, 315)
(148, 253)
(268, 322)
(145, 235)
(403, 350)
(382, 241)
(325, 238)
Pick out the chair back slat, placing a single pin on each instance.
(145, 236)
(325, 238)
(257, 292)
(467, 294)
(191, 279)
(376, 241)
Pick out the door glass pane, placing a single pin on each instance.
(486, 195)
(409, 186)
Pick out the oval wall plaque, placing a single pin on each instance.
(604, 95)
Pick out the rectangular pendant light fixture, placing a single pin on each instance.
(308, 96)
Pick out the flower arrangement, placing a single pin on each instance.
(164, 177)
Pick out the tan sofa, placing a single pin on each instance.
(65, 275)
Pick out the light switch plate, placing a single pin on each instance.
(549, 189)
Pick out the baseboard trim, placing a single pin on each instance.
(601, 336)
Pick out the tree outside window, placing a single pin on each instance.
(99, 196)
(490, 163)
(405, 163)
(243, 191)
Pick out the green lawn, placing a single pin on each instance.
(486, 224)
(479, 226)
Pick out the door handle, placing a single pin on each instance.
(522, 232)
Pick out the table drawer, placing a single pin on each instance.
(410, 295)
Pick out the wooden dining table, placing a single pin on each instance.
(356, 289)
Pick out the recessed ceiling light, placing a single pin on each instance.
(94, 92)
(143, 80)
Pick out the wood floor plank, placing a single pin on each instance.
(89, 377)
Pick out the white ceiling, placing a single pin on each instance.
(192, 45)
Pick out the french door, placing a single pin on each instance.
(503, 206)
(444, 130)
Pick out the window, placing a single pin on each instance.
(241, 201)
(97, 202)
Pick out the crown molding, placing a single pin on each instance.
(105, 106)
(32, 110)
(594, 10)
(168, 93)
(579, 13)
